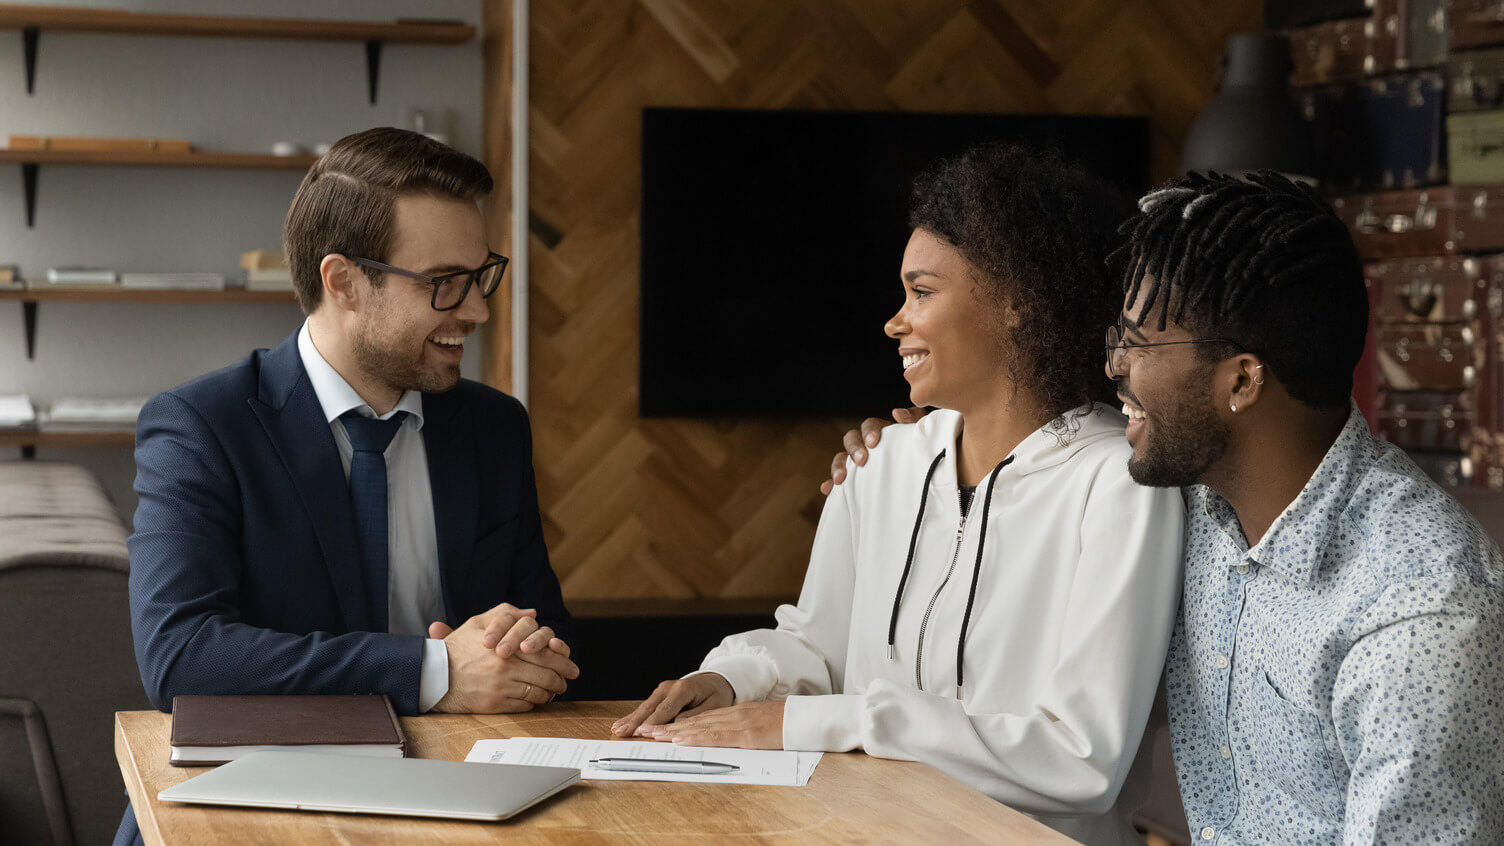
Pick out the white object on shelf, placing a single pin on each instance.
(81, 276)
(16, 411)
(93, 413)
(174, 281)
(270, 279)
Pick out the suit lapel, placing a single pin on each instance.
(294, 421)
(449, 440)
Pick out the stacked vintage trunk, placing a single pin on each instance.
(1405, 99)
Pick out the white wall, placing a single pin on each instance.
(222, 94)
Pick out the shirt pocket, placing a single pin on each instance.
(1292, 752)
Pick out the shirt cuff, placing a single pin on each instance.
(433, 680)
(752, 678)
(830, 723)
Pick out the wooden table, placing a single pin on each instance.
(852, 798)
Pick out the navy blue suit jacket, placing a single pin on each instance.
(245, 576)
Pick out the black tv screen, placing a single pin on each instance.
(771, 244)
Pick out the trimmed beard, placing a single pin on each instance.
(1184, 438)
(394, 370)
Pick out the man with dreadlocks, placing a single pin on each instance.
(1334, 675)
(1334, 672)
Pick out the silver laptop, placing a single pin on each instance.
(416, 787)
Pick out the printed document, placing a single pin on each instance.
(755, 766)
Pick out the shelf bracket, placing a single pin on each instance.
(29, 319)
(373, 66)
(29, 37)
(29, 183)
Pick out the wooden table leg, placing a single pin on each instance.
(133, 786)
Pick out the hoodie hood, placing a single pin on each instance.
(1051, 444)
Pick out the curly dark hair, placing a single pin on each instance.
(1038, 230)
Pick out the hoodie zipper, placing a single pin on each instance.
(925, 621)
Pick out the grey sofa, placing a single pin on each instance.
(66, 662)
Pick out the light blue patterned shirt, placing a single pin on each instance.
(1343, 680)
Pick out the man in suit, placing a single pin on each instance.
(343, 514)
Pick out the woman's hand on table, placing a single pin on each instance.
(748, 725)
(674, 699)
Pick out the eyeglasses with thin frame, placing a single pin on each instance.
(450, 289)
(1118, 346)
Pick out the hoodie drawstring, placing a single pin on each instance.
(976, 575)
(908, 563)
(976, 572)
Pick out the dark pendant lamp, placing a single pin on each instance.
(1251, 124)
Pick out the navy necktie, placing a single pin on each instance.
(370, 437)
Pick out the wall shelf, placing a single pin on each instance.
(31, 162)
(31, 20)
(213, 161)
(116, 294)
(29, 439)
(29, 298)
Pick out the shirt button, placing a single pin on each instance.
(1227, 751)
(1221, 662)
(1208, 833)
(1242, 569)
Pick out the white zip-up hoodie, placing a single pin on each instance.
(1075, 595)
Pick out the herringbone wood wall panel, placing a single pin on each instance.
(684, 509)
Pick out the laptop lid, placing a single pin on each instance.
(418, 787)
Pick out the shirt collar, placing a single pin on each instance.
(1301, 533)
(335, 394)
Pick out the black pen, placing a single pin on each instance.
(662, 765)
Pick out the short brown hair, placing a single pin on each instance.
(345, 202)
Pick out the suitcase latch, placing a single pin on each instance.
(1423, 219)
(1490, 14)
(1420, 296)
(1415, 95)
(1482, 90)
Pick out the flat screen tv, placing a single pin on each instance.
(771, 244)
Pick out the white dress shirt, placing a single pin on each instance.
(414, 596)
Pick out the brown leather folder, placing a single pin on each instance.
(213, 730)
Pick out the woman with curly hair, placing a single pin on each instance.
(991, 593)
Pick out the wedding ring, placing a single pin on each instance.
(529, 692)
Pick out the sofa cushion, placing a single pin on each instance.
(57, 515)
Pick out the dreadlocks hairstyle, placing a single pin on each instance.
(1037, 231)
(1262, 261)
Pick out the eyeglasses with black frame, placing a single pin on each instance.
(450, 289)
(1118, 346)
